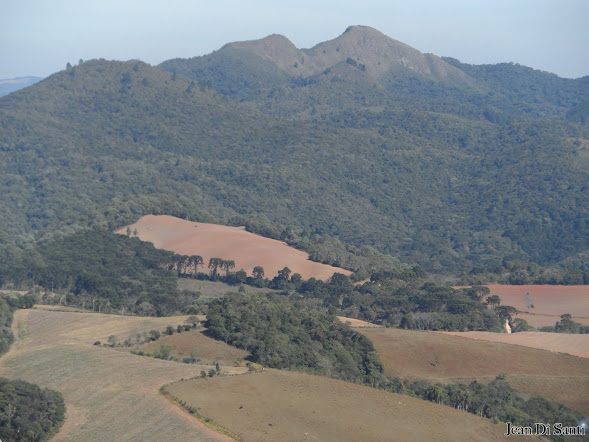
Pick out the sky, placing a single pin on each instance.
(39, 37)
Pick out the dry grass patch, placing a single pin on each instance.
(358, 323)
(194, 342)
(441, 357)
(110, 395)
(279, 405)
(215, 289)
(212, 240)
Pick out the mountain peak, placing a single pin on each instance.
(362, 46)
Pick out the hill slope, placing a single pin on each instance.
(246, 249)
(409, 161)
(280, 405)
(109, 395)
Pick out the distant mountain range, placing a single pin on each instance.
(362, 138)
(14, 84)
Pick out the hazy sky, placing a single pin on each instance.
(38, 37)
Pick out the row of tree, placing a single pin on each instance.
(495, 400)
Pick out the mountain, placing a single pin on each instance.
(9, 85)
(374, 52)
(366, 140)
(384, 71)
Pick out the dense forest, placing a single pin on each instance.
(449, 171)
(29, 413)
(282, 334)
(110, 273)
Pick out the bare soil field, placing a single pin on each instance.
(549, 301)
(577, 345)
(358, 323)
(211, 240)
(110, 395)
(278, 405)
(443, 357)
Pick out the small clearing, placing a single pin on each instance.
(231, 243)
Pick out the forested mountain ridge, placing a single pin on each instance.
(413, 163)
(383, 71)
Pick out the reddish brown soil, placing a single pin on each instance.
(550, 301)
(211, 240)
(577, 345)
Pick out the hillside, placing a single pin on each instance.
(246, 249)
(279, 405)
(109, 395)
(448, 359)
(412, 160)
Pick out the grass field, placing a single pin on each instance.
(194, 342)
(110, 395)
(442, 357)
(216, 289)
(358, 323)
(285, 406)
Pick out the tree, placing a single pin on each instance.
(227, 265)
(296, 279)
(163, 352)
(196, 261)
(284, 274)
(214, 264)
(436, 393)
(493, 301)
(193, 321)
(520, 325)
(258, 272)
(112, 340)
